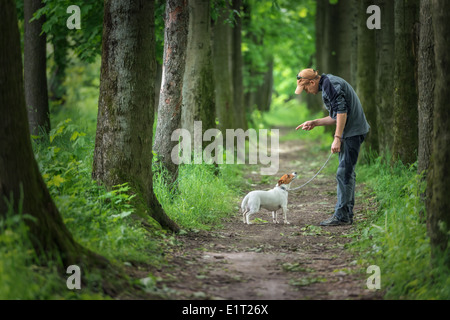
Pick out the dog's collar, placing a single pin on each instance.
(282, 187)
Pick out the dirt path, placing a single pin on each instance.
(272, 261)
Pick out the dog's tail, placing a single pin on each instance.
(244, 203)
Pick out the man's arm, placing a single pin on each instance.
(340, 125)
(309, 125)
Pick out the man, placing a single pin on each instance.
(347, 114)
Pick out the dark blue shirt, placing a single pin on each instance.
(339, 97)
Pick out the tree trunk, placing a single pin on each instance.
(405, 95)
(263, 95)
(314, 102)
(366, 73)
(331, 39)
(35, 64)
(347, 50)
(427, 75)
(123, 144)
(237, 65)
(57, 90)
(439, 175)
(384, 76)
(198, 84)
(21, 184)
(171, 97)
(320, 33)
(223, 76)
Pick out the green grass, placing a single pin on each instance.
(192, 206)
(101, 219)
(395, 235)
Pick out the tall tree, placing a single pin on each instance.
(57, 90)
(237, 65)
(347, 51)
(198, 83)
(438, 219)
(21, 184)
(384, 77)
(405, 94)
(123, 144)
(223, 76)
(366, 73)
(171, 97)
(426, 75)
(330, 41)
(35, 64)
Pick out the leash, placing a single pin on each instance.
(326, 162)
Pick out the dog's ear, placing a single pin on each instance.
(282, 180)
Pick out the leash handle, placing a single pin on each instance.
(326, 162)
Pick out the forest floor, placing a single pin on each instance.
(267, 261)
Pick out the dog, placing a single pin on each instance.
(271, 200)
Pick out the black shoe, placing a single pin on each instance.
(333, 221)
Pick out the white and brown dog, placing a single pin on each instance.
(271, 200)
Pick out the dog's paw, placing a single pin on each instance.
(287, 222)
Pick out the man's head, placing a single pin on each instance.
(308, 80)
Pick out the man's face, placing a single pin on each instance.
(309, 86)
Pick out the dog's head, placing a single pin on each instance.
(287, 179)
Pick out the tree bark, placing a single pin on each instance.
(237, 65)
(35, 64)
(427, 75)
(384, 77)
(366, 73)
(223, 76)
(347, 52)
(123, 144)
(171, 97)
(57, 90)
(405, 95)
(263, 95)
(21, 184)
(331, 39)
(438, 219)
(198, 84)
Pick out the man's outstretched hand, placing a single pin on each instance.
(307, 126)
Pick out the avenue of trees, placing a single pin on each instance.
(400, 74)
(218, 61)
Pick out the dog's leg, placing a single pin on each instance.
(285, 210)
(275, 216)
(249, 214)
(244, 216)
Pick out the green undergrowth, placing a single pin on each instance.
(23, 276)
(104, 220)
(204, 194)
(394, 235)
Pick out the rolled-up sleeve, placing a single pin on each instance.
(336, 98)
(339, 104)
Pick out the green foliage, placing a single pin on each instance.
(282, 30)
(202, 198)
(99, 219)
(395, 235)
(82, 91)
(85, 42)
(22, 276)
